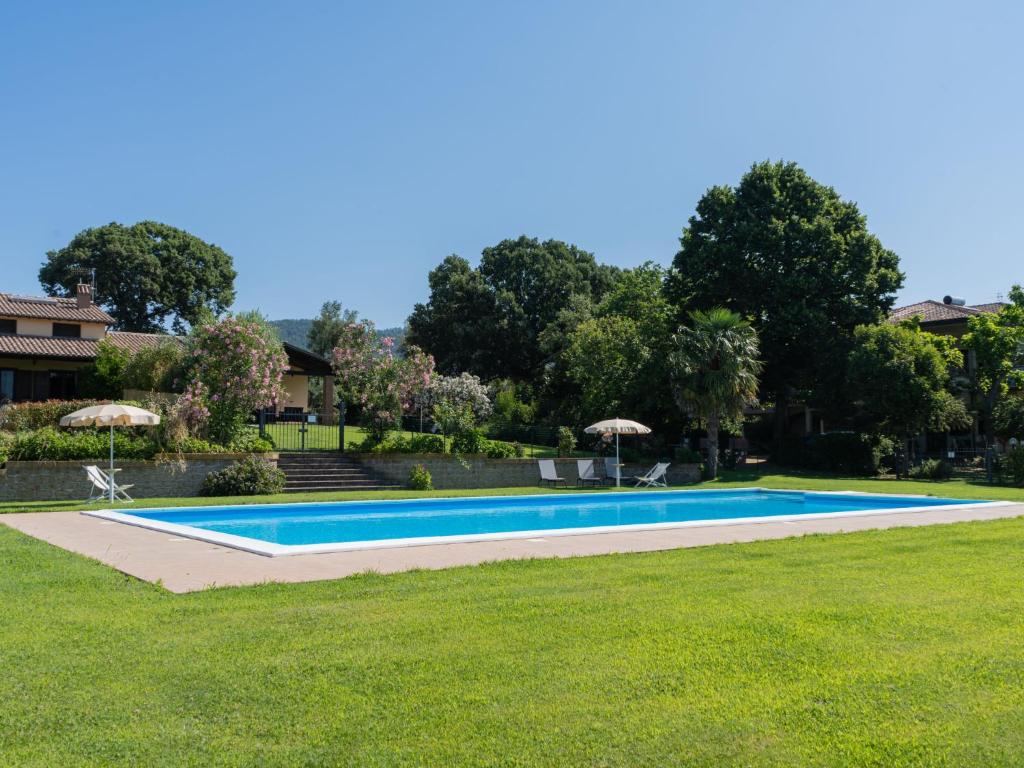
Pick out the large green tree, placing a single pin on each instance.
(997, 341)
(488, 320)
(788, 252)
(147, 274)
(715, 367)
(329, 326)
(609, 359)
(901, 377)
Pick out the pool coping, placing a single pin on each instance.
(271, 549)
(181, 565)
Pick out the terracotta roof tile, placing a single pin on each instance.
(992, 307)
(932, 311)
(133, 342)
(50, 308)
(48, 346)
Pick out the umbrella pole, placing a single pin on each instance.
(111, 463)
(618, 464)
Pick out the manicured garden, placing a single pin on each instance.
(899, 647)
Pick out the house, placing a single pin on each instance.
(45, 342)
(947, 317)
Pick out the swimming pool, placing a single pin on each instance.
(289, 529)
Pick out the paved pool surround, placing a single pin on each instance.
(185, 565)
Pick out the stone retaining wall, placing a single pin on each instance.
(66, 480)
(448, 472)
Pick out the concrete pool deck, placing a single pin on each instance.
(187, 565)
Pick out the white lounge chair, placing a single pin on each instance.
(654, 476)
(101, 484)
(585, 472)
(548, 473)
(612, 471)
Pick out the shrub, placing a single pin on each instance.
(420, 480)
(104, 377)
(6, 440)
(194, 445)
(519, 450)
(1010, 466)
(566, 441)
(932, 469)
(49, 444)
(236, 366)
(469, 442)
(249, 441)
(159, 368)
(426, 444)
(850, 452)
(19, 417)
(496, 449)
(685, 455)
(250, 477)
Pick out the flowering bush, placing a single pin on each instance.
(235, 367)
(463, 391)
(370, 374)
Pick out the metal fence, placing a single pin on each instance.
(300, 431)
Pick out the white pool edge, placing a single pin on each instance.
(269, 549)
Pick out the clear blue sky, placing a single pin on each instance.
(340, 150)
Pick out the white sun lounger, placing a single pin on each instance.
(101, 484)
(655, 476)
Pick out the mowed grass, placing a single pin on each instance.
(889, 648)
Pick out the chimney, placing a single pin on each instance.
(83, 295)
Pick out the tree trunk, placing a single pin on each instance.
(712, 446)
(990, 425)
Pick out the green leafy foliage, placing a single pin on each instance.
(250, 477)
(788, 252)
(900, 378)
(49, 444)
(932, 469)
(146, 274)
(845, 452)
(103, 378)
(18, 417)
(1009, 416)
(1010, 466)
(469, 441)
(328, 328)
(498, 449)
(420, 479)
(714, 365)
(488, 320)
(566, 441)
(159, 368)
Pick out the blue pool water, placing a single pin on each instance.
(369, 521)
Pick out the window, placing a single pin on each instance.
(6, 385)
(67, 330)
(8, 325)
(63, 385)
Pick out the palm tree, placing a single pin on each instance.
(714, 370)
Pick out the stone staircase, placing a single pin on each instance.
(328, 472)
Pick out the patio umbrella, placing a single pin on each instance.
(110, 415)
(617, 427)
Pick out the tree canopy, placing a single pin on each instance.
(900, 377)
(715, 368)
(328, 327)
(488, 320)
(146, 274)
(788, 252)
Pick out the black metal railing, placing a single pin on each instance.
(298, 430)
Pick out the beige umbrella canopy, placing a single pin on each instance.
(617, 427)
(110, 415)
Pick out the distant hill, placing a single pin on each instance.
(296, 331)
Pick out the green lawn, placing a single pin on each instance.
(899, 647)
(888, 648)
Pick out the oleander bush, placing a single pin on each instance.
(250, 477)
